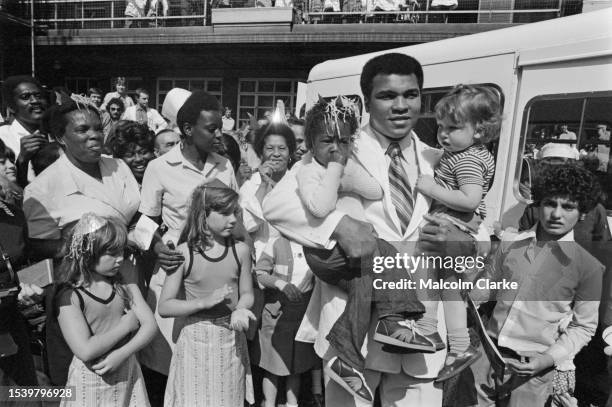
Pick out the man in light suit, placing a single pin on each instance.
(391, 85)
(143, 114)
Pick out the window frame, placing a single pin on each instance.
(291, 96)
(585, 96)
(206, 80)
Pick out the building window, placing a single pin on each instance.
(214, 86)
(257, 96)
(80, 85)
(580, 121)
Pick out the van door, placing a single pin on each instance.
(560, 100)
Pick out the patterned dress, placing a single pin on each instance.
(125, 386)
(210, 364)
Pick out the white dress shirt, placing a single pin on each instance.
(155, 121)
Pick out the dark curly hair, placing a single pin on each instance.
(118, 102)
(318, 119)
(55, 119)
(568, 181)
(197, 102)
(389, 64)
(127, 135)
(12, 82)
(274, 129)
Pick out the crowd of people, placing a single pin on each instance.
(142, 13)
(199, 265)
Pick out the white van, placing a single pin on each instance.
(549, 74)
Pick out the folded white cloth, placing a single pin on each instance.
(607, 337)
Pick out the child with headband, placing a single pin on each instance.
(328, 179)
(104, 320)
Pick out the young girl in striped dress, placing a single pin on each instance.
(97, 313)
(468, 117)
(210, 364)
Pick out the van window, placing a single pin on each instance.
(427, 128)
(581, 122)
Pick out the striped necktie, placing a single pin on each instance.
(141, 115)
(401, 193)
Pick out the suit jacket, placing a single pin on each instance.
(283, 209)
(155, 121)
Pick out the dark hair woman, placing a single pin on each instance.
(134, 144)
(81, 180)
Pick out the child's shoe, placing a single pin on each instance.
(352, 380)
(455, 363)
(403, 334)
(436, 339)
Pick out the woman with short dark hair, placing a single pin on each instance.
(134, 144)
(81, 180)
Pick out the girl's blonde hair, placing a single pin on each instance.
(475, 104)
(214, 196)
(90, 239)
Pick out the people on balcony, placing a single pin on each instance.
(134, 9)
(438, 5)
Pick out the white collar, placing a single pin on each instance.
(384, 141)
(568, 249)
(18, 129)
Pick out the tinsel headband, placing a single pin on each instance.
(79, 243)
(338, 109)
(83, 102)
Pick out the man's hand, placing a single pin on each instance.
(565, 400)
(29, 294)
(535, 366)
(30, 144)
(292, 292)
(357, 239)
(169, 259)
(441, 237)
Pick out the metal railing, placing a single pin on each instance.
(99, 14)
(111, 14)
